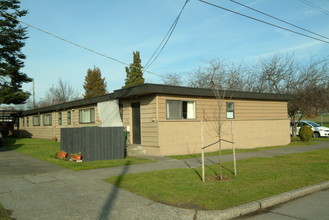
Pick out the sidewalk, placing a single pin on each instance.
(165, 163)
(35, 189)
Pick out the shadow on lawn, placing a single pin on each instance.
(195, 170)
(9, 144)
(108, 205)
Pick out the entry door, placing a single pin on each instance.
(136, 114)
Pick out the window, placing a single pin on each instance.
(230, 110)
(23, 121)
(87, 115)
(59, 118)
(47, 119)
(69, 117)
(177, 109)
(27, 121)
(36, 120)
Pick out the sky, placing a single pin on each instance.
(116, 28)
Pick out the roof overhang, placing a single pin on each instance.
(149, 89)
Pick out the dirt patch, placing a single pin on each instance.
(218, 178)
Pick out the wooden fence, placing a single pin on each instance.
(94, 143)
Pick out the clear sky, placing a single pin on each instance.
(116, 28)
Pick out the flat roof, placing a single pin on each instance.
(148, 89)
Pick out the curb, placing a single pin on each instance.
(262, 203)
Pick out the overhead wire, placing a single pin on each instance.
(80, 46)
(164, 40)
(278, 19)
(264, 22)
(318, 8)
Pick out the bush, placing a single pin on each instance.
(305, 133)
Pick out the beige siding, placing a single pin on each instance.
(149, 127)
(51, 131)
(256, 124)
(186, 137)
(208, 108)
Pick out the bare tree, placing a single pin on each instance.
(277, 73)
(60, 93)
(236, 77)
(282, 74)
(173, 79)
(214, 72)
(307, 83)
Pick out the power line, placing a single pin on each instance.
(164, 40)
(278, 19)
(78, 45)
(256, 19)
(315, 7)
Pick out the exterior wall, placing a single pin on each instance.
(256, 124)
(186, 137)
(149, 125)
(53, 130)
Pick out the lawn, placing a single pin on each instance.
(5, 214)
(46, 150)
(294, 143)
(257, 178)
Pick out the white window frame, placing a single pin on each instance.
(87, 116)
(230, 114)
(180, 109)
(69, 117)
(60, 118)
(47, 120)
(36, 120)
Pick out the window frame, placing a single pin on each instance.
(47, 119)
(182, 108)
(230, 110)
(69, 117)
(92, 115)
(60, 118)
(36, 118)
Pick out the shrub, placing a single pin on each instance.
(305, 133)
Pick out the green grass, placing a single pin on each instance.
(257, 178)
(5, 214)
(295, 142)
(46, 150)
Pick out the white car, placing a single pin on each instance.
(318, 130)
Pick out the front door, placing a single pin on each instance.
(136, 114)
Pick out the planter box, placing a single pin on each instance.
(76, 157)
(61, 154)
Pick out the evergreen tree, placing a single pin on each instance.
(134, 72)
(12, 36)
(94, 84)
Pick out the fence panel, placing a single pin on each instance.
(95, 143)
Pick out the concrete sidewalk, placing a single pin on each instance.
(35, 189)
